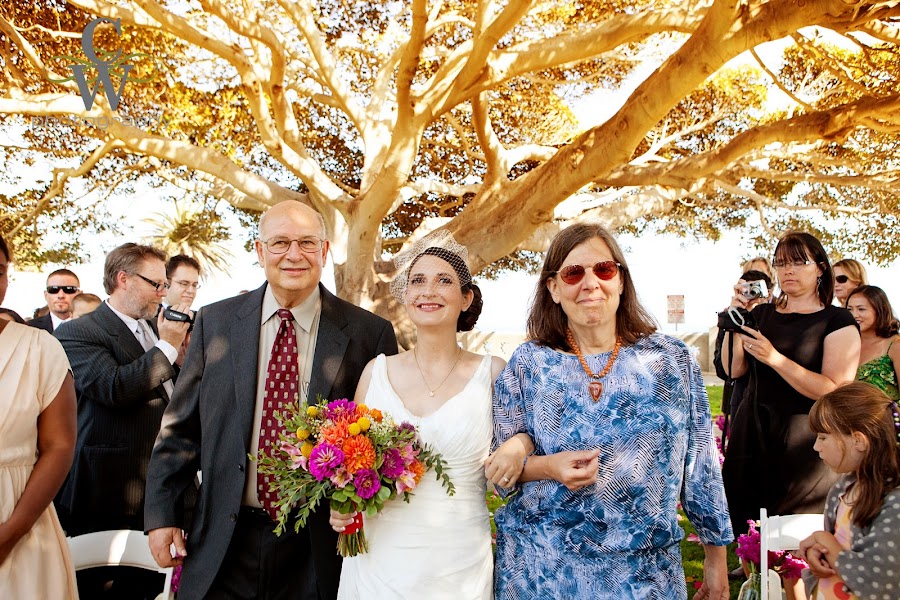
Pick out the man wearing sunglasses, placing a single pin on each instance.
(62, 287)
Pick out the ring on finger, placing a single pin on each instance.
(504, 479)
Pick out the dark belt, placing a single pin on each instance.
(257, 515)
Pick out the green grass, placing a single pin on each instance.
(691, 552)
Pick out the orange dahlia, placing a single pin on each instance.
(334, 434)
(359, 453)
(418, 469)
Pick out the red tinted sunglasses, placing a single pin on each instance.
(605, 270)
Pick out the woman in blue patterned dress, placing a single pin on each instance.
(622, 432)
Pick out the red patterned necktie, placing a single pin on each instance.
(282, 386)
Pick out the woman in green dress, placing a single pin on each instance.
(879, 355)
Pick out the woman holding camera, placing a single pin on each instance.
(804, 347)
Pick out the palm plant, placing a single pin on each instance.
(194, 230)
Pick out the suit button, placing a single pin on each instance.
(233, 517)
(241, 468)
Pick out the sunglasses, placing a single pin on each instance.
(605, 270)
(68, 289)
(841, 278)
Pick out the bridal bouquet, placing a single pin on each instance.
(353, 455)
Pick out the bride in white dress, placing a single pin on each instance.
(436, 546)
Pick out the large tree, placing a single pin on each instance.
(392, 118)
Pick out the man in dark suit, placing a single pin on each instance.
(62, 287)
(213, 421)
(123, 377)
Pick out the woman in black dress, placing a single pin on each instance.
(805, 347)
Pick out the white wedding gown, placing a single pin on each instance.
(436, 546)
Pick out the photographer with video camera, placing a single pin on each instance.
(799, 348)
(756, 288)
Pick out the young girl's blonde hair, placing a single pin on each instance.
(862, 407)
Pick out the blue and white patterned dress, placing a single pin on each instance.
(618, 538)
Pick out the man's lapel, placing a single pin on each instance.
(331, 345)
(116, 329)
(244, 338)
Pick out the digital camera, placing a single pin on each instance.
(751, 290)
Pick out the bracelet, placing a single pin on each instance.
(525, 462)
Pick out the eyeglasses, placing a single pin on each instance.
(778, 264)
(188, 284)
(605, 270)
(68, 289)
(841, 278)
(280, 245)
(156, 285)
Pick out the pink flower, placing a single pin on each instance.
(297, 458)
(341, 477)
(783, 562)
(406, 481)
(748, 544)
(408, 453)
(367, 483)
(339, 408)
(693, 537)
(791, 566)
(393, 463)
(323, 461)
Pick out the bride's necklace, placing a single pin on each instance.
(431, 392)
(594, 387)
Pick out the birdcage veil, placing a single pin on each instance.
(438, 243)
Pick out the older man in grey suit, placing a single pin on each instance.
(214, 421)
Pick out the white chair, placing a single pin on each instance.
(781, 532)
(117, 548)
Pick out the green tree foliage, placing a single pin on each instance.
(501, 121)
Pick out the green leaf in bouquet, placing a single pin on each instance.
(339, 496)
(371, 510)
(383, 494)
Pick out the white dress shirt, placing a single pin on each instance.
(148, 340)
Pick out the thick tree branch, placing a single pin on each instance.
(57, 187)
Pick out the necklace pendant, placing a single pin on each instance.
(430, 393)
(595, 388)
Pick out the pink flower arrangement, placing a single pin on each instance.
(783, 562)
(354, 456)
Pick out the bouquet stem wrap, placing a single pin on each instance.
(352, 540)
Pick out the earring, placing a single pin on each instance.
(818, 282)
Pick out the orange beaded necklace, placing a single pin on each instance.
(594, 387)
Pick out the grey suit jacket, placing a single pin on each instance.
(212, 408)
(121, 400)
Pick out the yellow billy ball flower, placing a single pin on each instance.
(312, 411)
(306, 449)
(354, 429)
(364, 423)
(302, 434)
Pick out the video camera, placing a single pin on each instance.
(171, 314)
